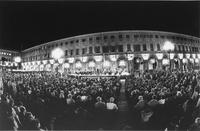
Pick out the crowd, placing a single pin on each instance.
(157, 100)
(41, 101)
(162, 100)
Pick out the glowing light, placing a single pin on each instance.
(168, 46)
(84, 59)
(44, 61)
(52, 61)
(185, 61)
(196, 60)
(113, 57)
(194, 56)
(98, 58)
(130, 56)
(191, 60)
(17, 59)
(187, 56)
(66, 65)
(33, 62)
(171, 55)
(198, 55)
(91, 64)
(55, 64)
(38, 62)
(71, 60)
(78, 65)
(61, 60)
(14, 64)
(145, 56)
(165, 61)
(57, 53)
(152, 61)
(180, 55)
(122, 63)
(106, 64)
(159, 56)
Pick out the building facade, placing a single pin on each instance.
(7, 58)
(116, 51)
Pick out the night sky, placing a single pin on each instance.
(26, 24)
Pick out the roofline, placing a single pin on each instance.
(108, 32)
(10, 51)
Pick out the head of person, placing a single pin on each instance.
(112, 99)
(197, 120)
(99, 99)
(140, 98)
(22, 109)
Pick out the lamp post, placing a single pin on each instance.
(57, 53)
(17, 60)
(168, 47)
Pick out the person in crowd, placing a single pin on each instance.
(100, 105)
(111, 105)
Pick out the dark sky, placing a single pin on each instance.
(25, 24)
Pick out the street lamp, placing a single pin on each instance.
(168, 47)
(57, 53)
(17, 60)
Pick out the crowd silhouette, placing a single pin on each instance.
(157, 100)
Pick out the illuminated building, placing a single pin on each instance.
(126, 51)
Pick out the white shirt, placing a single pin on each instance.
(111, 106)
(161, 101)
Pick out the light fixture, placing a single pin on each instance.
(180, 55)
(106, 64)
(171, 55)
(113, 57)
(198, 55)
(52, 61)
(17, 59)
(84, 59)
(78, 65)
(165, 61)
(61, 60)
(152, 61)
(130, 56)
(185, 61)
(122, 63)
(145, 56)
(57, 53)
(168, 46)
(66, 65)
(194, 56)
(196, 60)
(187, 56)
(159, 56)
(98, 58)
(44, 61)
(91, 64)
(71, 60)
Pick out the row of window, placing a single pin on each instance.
(110, 49)
(112, 37)
(4, 53)
(115, 49)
